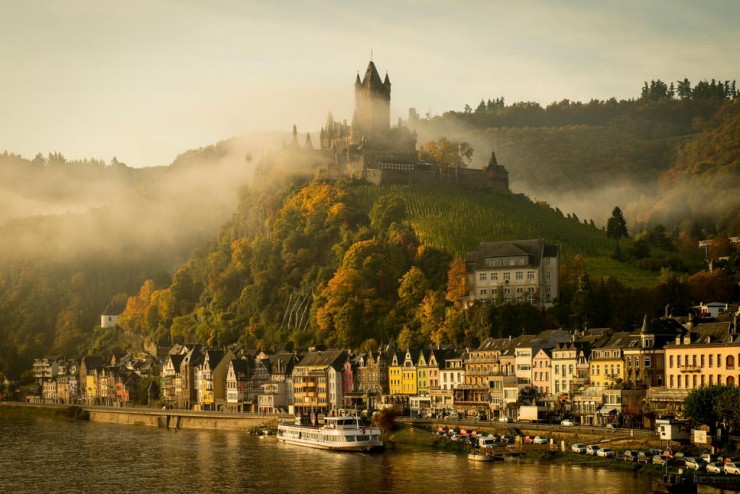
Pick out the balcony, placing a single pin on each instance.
(689, 368)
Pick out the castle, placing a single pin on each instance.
(371, 149)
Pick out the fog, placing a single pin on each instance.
(59, 213)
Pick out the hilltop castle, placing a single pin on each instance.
(371, 149)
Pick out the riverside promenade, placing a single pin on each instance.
(167, 418)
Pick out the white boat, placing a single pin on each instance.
(337, 433)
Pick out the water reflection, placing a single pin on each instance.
(52, 456)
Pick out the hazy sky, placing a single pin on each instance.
(144, 80)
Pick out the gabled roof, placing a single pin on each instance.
(712, 333)
(534, 249)
(92, 362)
(326, 358)
(113, 309)
(176, 360)
(242, 369)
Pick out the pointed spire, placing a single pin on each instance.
(644, 328)
(308, 145)
(372, 78)
(387, 81)
(358, 82)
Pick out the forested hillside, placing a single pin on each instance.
(350, 264)
(354, 265)
(580, 155)
(76, 233)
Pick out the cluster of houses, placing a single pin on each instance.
(595, 375)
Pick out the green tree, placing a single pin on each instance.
(616, 226)
(700, 405)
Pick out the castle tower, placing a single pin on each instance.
(372, 104)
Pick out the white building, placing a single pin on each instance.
(514, 272)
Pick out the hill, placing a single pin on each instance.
(581, 156)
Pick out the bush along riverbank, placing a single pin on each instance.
(71, 412)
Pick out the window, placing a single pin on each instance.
(522, 261)
(719, 362)
(701, 359)
(507, 276)
(519, 275)
(711, 361)
(483, 292)
(647, 362)
(494, 276)
(530, 275)
(482, 277)
(547, 275)
(670, 361)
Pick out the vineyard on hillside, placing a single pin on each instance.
(456, 221)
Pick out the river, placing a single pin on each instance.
(39, 455)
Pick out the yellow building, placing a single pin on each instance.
(606, 364)
(707, 355)
(394, 374)
(409, 373)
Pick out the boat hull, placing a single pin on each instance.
(361, 440)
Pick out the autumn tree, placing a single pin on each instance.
(457, 283)
(446, 153)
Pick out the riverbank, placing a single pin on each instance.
(145, 416)
(73, 412)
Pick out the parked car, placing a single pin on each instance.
(506, 439)
(504, 418)
(611, 427)
(605, 453)
(660, 460)
(629, 456)
(695, 463)
(453, 416)
(578, 448)
(592, 449)
(567, 423)
(732, 468)
(539, 440)
(528, 440)
(643, 457)
(716, 467)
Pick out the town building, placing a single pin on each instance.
(514, 272)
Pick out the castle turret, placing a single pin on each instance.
(372, 103)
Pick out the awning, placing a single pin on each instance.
(607, 411)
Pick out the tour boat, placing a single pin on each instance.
(337, 433)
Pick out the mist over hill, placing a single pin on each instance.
(75, 234)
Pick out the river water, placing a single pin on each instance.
(40, 455)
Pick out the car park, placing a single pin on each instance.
(605, 453)
(578, 448)
(592, 449)
(567, 423)
(716, 467)
(629, 456)
(732, 468)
